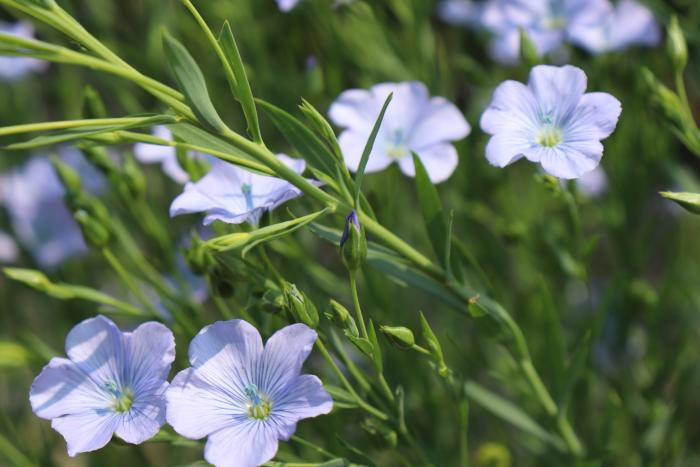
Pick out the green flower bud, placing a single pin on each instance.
(133, 179)
(677, 47)
(529, 54)
(399, 336)
(667, 100)
(341, 317)
(353, 244)
(493, 455)
(301, 308)
(199, 259)
(68, 175)
(34, 279)
(95, 233)
(99, 157)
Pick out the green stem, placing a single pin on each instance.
(356, 304)
(129, 282)
(69, 124)
(361, 402)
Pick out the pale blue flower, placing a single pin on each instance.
(9, 251)
(234, 195)
(14, 68)
(166, 156)
(628, 23)
(287, 5)
(551, 121)
(414, 121)
(111, 382)
(593, 184)
(33, 197)
(244, 397)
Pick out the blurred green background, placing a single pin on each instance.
(634, 288)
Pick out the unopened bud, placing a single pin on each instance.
(399, 336)
(69, 177)
(529, 54)
(676, 44)
(133, 178)
(199, 259)
(301, 308)
(353, 244)
(341, 317)
(95, 233)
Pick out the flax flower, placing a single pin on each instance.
(551, 121)
(242, 396)
(111, 382)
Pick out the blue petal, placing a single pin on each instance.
(87, 431)
(304, 398)
(557, 90)
(245, 444)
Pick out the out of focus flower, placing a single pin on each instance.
(287, 5)
(595, 25)
(14, 68)
(234, 195)
(551, 121)
(627, 23)
(9, 252)
(33, 197)
(166, 156)
(594, 183)
(111, 382)
(414, 122)
(242, 396)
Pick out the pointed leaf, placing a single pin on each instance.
(431, 208)
(368, 150)
(688, 201)
(241, 85)
(191, 81)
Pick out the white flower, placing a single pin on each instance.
(414, 122)
(166, 156)
(551, 121)
(234, 195)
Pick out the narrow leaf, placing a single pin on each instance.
(431, 208)
(509, 412)
(311, 148)
(241, 85)
(688, 201)
(191, 81)
(368, 150)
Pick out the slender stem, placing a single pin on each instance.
(313, 446)
(385, 387)
(129, 281)
(361, 402)
(67, 124)
(356, 304)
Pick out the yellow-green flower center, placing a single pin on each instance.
(122, 399)
(395, 144)
(549, 137)
(258, 407)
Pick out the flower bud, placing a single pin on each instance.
(529, 54)
(302, 309)
(341, 317)
(353, 244)
(133, 179)
(69, 177)
(34, 279)
(399, 336)
(199, 259)
(667, 100)
(677, 47)
(96, 234)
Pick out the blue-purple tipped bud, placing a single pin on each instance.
(353, 244)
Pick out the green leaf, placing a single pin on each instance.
(341, 396)
(376, 350)
(241, 85)
(431, 208)
(196, 136)
(75, 134)
(311, 148)
(191, 81)
(688, 201)
(368, 150)
(362, 344)
(509, 412)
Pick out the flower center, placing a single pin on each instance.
(549, 136)
(395, 144)
(122, 399)
(258, 407)
(247, 191)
